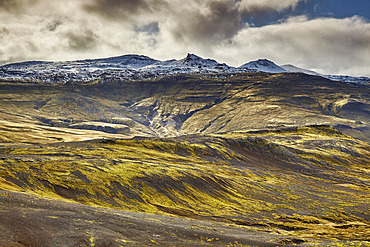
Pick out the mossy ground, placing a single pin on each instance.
(295, 181)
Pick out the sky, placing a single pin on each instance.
(328, 36)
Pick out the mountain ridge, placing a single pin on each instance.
(295, 69)
(137, 67)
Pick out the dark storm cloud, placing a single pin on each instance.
(122, 8)
(210, 22)
(84, 40)
(54, 24)
(195, 21)
(16, 5)
(4, 31)
(9, 4)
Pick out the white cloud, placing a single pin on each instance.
(338, 46)
(258, 5)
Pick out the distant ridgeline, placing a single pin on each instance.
(138, 67)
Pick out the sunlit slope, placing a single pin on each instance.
(182, 104)
(307, 182)
(286, 100)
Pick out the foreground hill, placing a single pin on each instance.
(299, 185)
(254, 159)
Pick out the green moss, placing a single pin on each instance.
(212, 177)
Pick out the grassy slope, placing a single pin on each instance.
(177, 105)
(245, 179)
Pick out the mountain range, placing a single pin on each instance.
(137, 67)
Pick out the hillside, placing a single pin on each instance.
(256, 159)
(180, 104)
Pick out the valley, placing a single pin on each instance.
(186, 104)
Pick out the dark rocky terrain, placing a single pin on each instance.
(30, 221)
(252, 159)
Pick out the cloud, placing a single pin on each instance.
(123, 9)
(329, 45)
(151, 28)
(164, 29)
(16, 5)
(84, 40)
(257, 6)
(196, 21)
(208, 21)
(53, 25)
(70, 29)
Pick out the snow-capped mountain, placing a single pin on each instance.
(264, 65)
(295, 69)
(123, 67)
(135, 67)
(190, 64)
(349, 79)
(194, 61)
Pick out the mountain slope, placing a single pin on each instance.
(295, 69)
(185, 104)
(264, 65)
